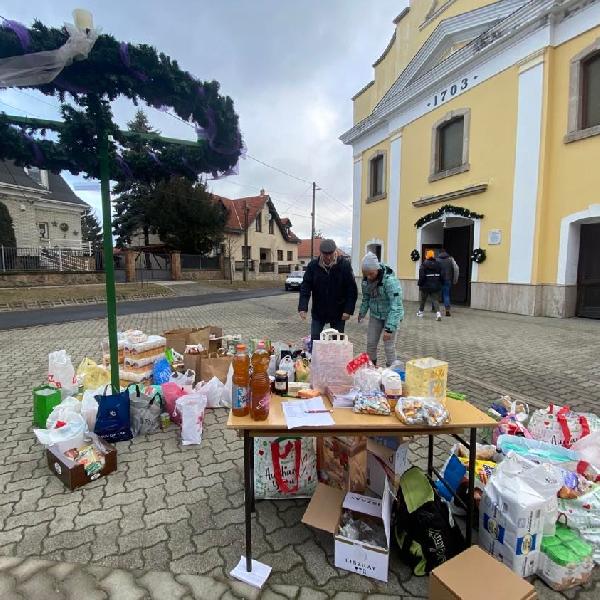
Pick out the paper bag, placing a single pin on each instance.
(214, 366)
(202, 336)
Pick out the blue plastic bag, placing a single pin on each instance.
(162, 371)
(113, 421)
(453, 473)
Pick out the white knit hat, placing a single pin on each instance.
(370, 262)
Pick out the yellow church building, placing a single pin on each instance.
(480, 133)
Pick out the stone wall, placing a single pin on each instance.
(200, 275)
(37, 278)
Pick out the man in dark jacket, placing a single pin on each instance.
(430, 283)
(450, 274)
(330, 281)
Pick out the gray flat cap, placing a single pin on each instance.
(328, 246)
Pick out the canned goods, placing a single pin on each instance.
(281, 383)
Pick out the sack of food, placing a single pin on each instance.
(372, 403)
(422, 411)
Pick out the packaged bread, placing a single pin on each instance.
(422, 411)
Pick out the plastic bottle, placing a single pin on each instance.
(241, 380)
(260, 385)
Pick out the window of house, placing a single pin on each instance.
(590, 91)
(290, 255)
(44, 231)
(376, 174)
(259, 222)
(246, 252)
(450, 144)
(280, 255)
(271, 226)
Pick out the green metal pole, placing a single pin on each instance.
(109, 264)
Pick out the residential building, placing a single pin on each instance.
(304, 250)
(46, 213)
(480, 131)
(272, 246)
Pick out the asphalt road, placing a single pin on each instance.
(67, 314)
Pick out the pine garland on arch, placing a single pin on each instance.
(137, 72)
(447, 208)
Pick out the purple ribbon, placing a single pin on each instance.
(20, 31)
(126, 60)
(124, 167)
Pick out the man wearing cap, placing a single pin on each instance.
(330, 281)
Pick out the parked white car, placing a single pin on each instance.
(294, 280)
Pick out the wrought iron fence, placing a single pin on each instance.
(285, 268)
(198, 262)
(239, 265)
(50, 259)
(266, 267)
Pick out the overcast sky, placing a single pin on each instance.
(290, 67)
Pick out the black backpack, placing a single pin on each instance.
(422, 525)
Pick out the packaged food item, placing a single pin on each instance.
(281, 382)
(305, 394)
(392, 386)
(422, 411)
(241, 382)
(372, 403)
(426, 377)
(367, 379)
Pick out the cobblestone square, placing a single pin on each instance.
(170, 522)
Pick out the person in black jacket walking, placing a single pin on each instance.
(330, 281)
(430, 284)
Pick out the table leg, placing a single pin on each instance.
(430, 457)
(471, 494)
(252, 475)
(248, 496)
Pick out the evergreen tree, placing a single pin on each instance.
(194, 222)
(7, 230)
(91, 230)
(133, 198)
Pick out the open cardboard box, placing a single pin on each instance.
(473, 575)
(383, 463)
(324, 512)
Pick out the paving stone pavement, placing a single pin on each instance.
(169, 523)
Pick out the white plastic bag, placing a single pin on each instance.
(227, 389)
(89, 407)
(588, 448)
(67, 436)
(186, 378)
(61, 371)
(213, 390)
(191, 408)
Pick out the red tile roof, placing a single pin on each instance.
(255, 204)
(304, 248)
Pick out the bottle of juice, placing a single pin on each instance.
(241, 380)
(260, 386)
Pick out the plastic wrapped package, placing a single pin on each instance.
(372, 403)
(362, 528)
(422, 411)
(152, 345)
(367, 379)
(136, 362)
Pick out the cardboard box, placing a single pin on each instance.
(342, 462)
(324, 512)
(473, 575)
(179, 338)
(426, 377)
(384, 463)
(74, 475)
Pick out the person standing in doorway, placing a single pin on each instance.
(430, 284)
(450, 272)
(329, 279)
(382, 297)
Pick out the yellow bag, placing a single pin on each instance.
(302, 368)
(91, 375)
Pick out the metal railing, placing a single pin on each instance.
(285, 268)
(198, 262)
(49, 259)
(239, 265)
(266, 267)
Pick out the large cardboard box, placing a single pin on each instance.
(473, 575)
(342, 462)
(73, 475)
(324, 512)
(179, 338)
(385, 463)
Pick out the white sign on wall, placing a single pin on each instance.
(494, 237)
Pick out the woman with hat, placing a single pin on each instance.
(382, 297)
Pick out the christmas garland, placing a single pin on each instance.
(137, 72)
(414, 255)
(478, 255)
(447, 208)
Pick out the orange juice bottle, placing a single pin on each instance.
(260, 386)
(241, 379)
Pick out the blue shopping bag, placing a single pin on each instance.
(113, 420)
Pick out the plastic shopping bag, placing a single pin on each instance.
(588, 448)
(191, 410)
(113, 421)
(65, 426)
(187, 378)
(92, 376)
(285, 467)
(227, 389)
(287, 364)
(302, 367)
(61, 372)
(170, 392)
(89, 407)
(145, 412)
(213, 390)
(161, 373)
